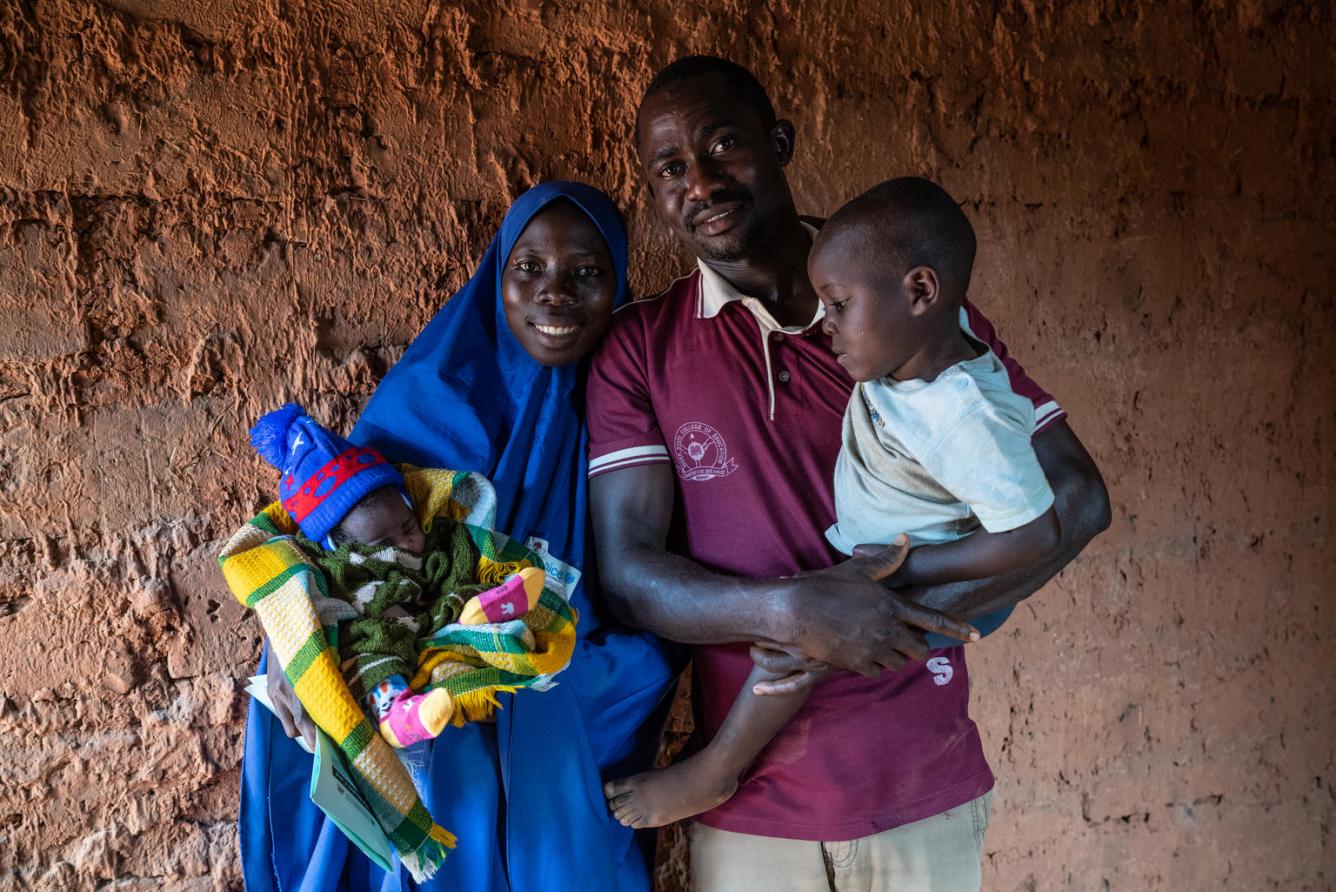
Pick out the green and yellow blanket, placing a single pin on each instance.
(269, 572)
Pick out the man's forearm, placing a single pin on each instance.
(649, 588)
(678, 599)
(841, 615)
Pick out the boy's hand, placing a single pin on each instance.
(799, 672)
(296, 723)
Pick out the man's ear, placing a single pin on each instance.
(781, 137)
(922, 288)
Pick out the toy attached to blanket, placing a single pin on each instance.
(398, 579)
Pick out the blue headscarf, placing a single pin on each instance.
(467, 396)
(523, 795)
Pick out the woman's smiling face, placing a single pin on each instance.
(559, 285)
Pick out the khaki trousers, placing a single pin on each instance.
(938, 854)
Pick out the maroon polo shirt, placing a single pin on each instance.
(750, 416)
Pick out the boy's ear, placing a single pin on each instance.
(922, 288)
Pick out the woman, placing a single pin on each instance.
(494, 384)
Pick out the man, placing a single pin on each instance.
(715, 415)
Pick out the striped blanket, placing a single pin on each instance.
(268, 572)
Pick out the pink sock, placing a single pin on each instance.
(412, 718)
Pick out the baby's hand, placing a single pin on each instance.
(798, 672)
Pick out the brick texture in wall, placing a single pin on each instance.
(208, 208)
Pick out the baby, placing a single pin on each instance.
(935, 445)
(401, 583)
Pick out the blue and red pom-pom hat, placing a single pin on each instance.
(324, 475)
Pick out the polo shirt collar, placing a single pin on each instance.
(716, 291)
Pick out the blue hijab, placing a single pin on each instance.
(523, 795)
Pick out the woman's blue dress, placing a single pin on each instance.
(523, 795)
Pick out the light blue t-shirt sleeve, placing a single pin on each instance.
(970, 435)
(983, 457)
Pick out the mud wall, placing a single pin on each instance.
(206, 208)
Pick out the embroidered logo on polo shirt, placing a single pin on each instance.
(700, 453)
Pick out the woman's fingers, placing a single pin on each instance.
(305, 725)
(296, 723)
(279, 693)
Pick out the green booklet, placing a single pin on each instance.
(333, 790)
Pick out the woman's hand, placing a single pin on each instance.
(296, 723)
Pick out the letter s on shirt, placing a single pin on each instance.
(941, 670)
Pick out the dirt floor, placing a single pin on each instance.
(206, 208)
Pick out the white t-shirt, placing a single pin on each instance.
(937, 459)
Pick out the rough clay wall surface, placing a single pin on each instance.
(208, 207)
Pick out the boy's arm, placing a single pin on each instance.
(981, 554)
(974, 440)
(1082, 505)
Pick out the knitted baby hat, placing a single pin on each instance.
(323, 475)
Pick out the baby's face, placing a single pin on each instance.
(384, 518)
(867, 315)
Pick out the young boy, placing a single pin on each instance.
(935, 446)
(400, 584)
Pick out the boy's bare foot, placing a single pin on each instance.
(656, 798)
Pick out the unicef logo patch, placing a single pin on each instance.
(700, 453)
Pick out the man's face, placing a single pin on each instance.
(716, 174)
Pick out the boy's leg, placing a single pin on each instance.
(378, 657)
(407, 718)
(710, 777)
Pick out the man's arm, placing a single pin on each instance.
(841, 615)
(1082, 505)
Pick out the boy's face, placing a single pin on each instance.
(384, 518)
(872, 331)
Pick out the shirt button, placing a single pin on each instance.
(784, 377)
(776, 337)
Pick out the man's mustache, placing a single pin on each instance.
(689, 217)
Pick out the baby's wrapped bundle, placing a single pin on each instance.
(268, 571)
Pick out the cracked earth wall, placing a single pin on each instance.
(208, 208)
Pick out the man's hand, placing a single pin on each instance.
(844, 616)
(295, 721)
